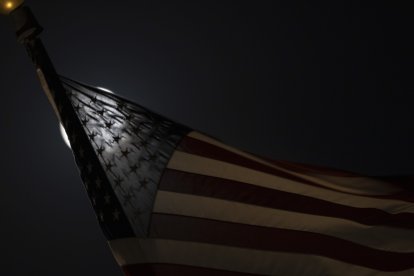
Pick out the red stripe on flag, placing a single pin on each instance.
(198, 147)
(176, 270)
(273, 239)
(195, 184)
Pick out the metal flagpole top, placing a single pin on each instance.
(7, 6)
(26, 26)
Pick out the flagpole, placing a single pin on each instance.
(27, 31)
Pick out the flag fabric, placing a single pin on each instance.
(173, 201)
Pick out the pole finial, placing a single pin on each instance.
(7, 6)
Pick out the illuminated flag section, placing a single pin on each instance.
(173, 201)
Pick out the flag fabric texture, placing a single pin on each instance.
(173, 201)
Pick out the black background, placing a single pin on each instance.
(324, 84)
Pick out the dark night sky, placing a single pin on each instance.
(322, 84)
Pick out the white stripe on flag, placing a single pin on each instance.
(377, 237)
(356, 185)
(205, 166)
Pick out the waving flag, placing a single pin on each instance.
(173, 201)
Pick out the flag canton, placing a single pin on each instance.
(133, 146)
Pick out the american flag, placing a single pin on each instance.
(173, 201)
